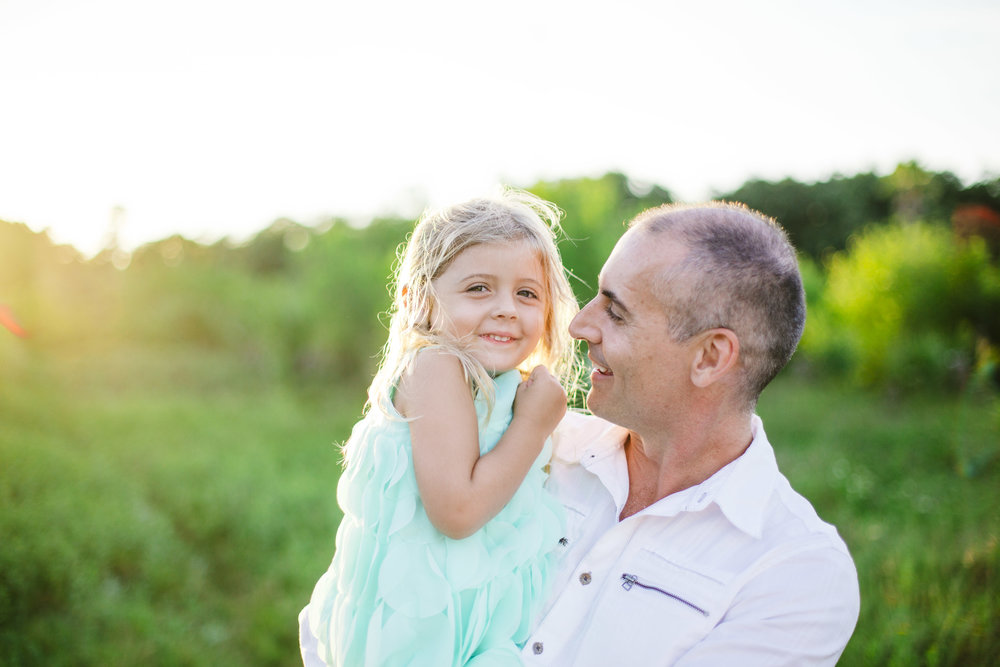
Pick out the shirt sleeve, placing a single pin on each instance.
(798, 611)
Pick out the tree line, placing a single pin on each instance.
(901, 273)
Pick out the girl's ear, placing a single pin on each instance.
(426, 312)
(717, 352)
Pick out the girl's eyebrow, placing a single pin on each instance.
(490, 276)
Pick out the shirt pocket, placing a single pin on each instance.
(579, 516)
(697, 590)
(660, 608)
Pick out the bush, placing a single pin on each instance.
(904, 307)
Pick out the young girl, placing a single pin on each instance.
(445, 546)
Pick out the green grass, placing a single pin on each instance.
(169, 508)
(145, 526)
(923, 526)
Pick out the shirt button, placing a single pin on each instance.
(537, 648)
(585, 578)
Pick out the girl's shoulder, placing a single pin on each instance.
(433, 362)
(433, 373)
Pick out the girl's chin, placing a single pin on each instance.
(495, 369)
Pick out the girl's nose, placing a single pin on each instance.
(503, 306)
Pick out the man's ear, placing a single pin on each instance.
(716, 353)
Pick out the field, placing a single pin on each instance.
(161, 507)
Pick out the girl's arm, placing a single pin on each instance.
(460, 489)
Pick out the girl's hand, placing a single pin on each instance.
(540, 401)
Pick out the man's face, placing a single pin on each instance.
(639, 373)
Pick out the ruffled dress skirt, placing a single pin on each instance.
(398, 592)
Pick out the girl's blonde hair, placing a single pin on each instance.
(437, 239)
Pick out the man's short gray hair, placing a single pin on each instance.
(740, 273)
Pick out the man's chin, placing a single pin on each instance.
(594, 404)
(600, 405)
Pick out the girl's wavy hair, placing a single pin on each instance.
(437, 239)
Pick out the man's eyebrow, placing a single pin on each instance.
(613, 298)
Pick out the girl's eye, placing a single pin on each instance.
(477, 288)
(612, 315)
(527, 294)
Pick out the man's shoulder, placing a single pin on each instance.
(760, 499)
(580, 432)
(792, 517)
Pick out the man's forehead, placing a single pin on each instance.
(638, 254)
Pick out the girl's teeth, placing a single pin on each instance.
(501, 339)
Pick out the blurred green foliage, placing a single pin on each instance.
(906, 305)
(168, 420)
(303, 305)
(821, 217)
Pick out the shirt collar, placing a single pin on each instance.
(740, 489)
(743, 488)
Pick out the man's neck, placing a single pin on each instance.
(659, 468)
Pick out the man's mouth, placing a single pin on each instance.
(601, 369)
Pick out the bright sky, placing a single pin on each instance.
(213, 118)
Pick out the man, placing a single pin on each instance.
(684, 543)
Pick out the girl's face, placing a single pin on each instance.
(495, 293)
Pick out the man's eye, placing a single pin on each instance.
(612, 315)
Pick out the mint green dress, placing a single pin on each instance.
(398, 592)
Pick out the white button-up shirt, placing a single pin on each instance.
(738, 570)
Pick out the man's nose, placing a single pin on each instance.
(580, 326)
